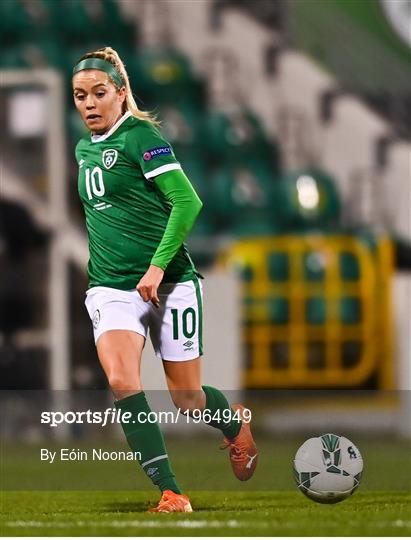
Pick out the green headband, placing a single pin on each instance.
(102, 65)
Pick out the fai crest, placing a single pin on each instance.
(109, 157)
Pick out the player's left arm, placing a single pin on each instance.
(186, 206)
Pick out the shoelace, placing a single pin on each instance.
(238, 451)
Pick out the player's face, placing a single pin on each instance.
(97, 99)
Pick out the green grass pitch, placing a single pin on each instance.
(225, 513)
(111, 499)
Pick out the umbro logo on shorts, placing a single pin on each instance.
(189, 345)
(96, 318)
(109, 157)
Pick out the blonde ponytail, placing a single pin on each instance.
(110, 55)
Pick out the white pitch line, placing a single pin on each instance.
(186, 524)
(183, 524)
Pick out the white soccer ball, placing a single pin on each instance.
(328, 468)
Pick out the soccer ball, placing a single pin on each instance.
(328, 468)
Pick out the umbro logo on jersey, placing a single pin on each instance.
(81, 163)
(109, 157)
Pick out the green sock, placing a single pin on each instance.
(216, 404)
(145, 437)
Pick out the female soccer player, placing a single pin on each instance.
(139, 208)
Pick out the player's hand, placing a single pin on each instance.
(149, 283)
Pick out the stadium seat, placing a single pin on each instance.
(305, 200)
(315, 310)
(15, 23)
(350, 310)
(349, 267)
(161, 75)
(181, 125)
(242, 199)
(278, 311)
(236, 136)
(314, 266)
(77, 21)
(205, 227)
(278, 266)
(13, 57)
(41, 53)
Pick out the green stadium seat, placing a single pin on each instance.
(305, 200)
(278, 267)
(242, 199)
(196, 172)
(79, 21)
(162, 75)
(15, 22)
(181, 125)
(350, 353)
(246, 273)
(314, 266)
(13, 57)
(316, 355)
(278, 311)
(315, 310)
(350, 310)
(349, 267)
(48, 51)
(35, 54)
(237, 136)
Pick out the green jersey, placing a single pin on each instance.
(126, 215)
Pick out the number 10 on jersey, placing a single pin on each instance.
(94, 183)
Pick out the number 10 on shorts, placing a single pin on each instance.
(185, 322)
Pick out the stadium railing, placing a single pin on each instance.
(316, 310)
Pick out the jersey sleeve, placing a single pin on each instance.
(151, 151)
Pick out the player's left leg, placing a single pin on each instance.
(184, 382)
(176, 334)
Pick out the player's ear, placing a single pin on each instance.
(122, 94)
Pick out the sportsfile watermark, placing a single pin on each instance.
(55, 441)
(116, 416)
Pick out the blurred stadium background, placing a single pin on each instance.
(293, 121)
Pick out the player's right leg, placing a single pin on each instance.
(119, 332)
(119, 352)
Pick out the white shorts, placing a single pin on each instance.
(175, 327)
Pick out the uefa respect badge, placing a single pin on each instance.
(157, 152)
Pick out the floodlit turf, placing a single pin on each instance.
(216, 514)
(110, 499)
(198, 464)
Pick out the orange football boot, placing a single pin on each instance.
(172, 502)
(243, 450)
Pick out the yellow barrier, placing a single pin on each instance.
(299, 353)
